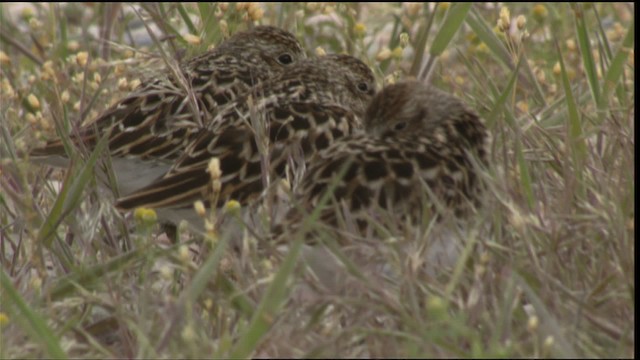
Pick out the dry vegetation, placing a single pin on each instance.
(547, 267)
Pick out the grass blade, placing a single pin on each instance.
(486, 35)
(616, 69)
(209, 22)
(31, 321)
(575, 142)
(455, 17)
(271, 301)
(207, 271)
(588, 61)
(549, 322)
(69, 196)
(525, 177)
(450, 26)
(86, 278)
(184, 14)
(199, 283)
(277, 290)
(421, 41)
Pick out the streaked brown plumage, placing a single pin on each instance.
(153, 125)
(419, 153)
(307, 108)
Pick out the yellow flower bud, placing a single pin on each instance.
(505, 16)
(210, 229)
(359, 29)
(123, 84)
(532, 324)
(183, 253)
(188, 334)
(397, 52)
(540, 12)
(73, 46)
(482, 48)
(557, 69)
(256, 13)
(224, 27)
(523, 106)
(444, 6)
(192, 39)
(521, 21)
(284, 185)
(64, 97)
(82, 57)
(208, 304)
(134, 84)
(78, 78)
(33, 101)
(384, 54)
(144, 215)
(4, 319)
(217, 186)
(36, 283)
(199, 208)
(27, 12)
(267, 264)
(214, 168)
(232, 207)
(404, 39)
(166, 272)
(4, 58)
(436, 306)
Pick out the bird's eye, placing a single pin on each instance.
(363, 87)
(285, 59)
(399, 126)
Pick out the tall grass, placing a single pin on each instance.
(547, 266)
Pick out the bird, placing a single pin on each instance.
(418, 158)
(298, 113)
(151, 127)
(415, 137)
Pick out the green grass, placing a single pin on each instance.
(547, 268)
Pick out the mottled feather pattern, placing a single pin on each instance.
(337, 79)
(419, 150)
(308, 107)
(303, 108)
(240, 159)
(419, 153)
(156, 120)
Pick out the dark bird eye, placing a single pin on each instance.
(285, 59)
(363, 87)
(399, 126)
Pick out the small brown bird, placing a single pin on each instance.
(307, 108)
(153, 125)
(417, 158)
(418, 149)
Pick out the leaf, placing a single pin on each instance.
(455, 17)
